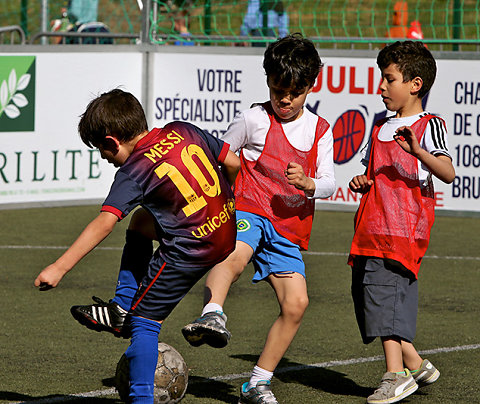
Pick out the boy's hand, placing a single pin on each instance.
(360, 183)
(297, 178)
(49, 278)
(407, 140)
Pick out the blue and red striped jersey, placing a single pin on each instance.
(174, 173)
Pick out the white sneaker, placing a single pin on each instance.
(427, 374)
(393, 387)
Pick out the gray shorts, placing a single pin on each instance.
(385, 297)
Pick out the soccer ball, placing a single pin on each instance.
(171, 376)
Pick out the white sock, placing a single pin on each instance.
(257, 375)
(212, 307)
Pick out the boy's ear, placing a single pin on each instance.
(417, 84)
(112, 144)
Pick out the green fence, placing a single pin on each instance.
(444, 24)
(121, 16)
(330, 23)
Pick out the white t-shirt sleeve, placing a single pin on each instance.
(324, 180)
(236, 134)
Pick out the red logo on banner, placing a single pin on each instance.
(348, 133)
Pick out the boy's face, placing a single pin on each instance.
(287, 103)
(111, 152)
(396, 93)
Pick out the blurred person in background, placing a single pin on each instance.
(253, 22)
(399, 28)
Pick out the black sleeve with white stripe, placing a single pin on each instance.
(435, 140)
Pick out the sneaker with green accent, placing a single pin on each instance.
(260, 394)
(427, 374)
(393, 387)
(208, 329)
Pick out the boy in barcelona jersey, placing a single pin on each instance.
(186, 204)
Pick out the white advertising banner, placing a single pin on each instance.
(208, 90)
(42, 95)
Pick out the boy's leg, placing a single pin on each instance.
(423, 371)
(142, 357)
(411, 359)
(210, 327)
(160, 291)
(137, 252)
(136, 255)
(224, 274)
(392, 347)
(397, 382)
(291, 291)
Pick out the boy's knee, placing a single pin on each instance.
(238, 268)
(295, 307)
(236, 264)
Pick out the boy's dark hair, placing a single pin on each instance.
(116, 113)
(292, 62)
(413, 59)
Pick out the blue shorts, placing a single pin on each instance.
(163, 287)
(273, 253)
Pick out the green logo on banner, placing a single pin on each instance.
(17, 93)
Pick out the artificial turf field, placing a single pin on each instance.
(47, 357)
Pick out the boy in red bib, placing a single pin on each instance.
(396, 213)
(286, 162)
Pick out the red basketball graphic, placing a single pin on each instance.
(348, 133)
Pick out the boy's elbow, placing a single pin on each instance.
(450, 178)
(232, 162)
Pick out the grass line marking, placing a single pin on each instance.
(438, 257)
(329, 364)
(352, 361)
(49, 247)
(320, 253)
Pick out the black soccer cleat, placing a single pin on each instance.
(103, 316)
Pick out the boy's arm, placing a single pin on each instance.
(296, 177)
(92, 235)
(323, 184)
(360, 183)
(231, 166)
(439, 165)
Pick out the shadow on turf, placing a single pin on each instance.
(56, 398)
(53, 398)
(315, 377)
(201, 387)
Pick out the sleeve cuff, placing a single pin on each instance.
(324, 188)
(224, 152)
(115, 211)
